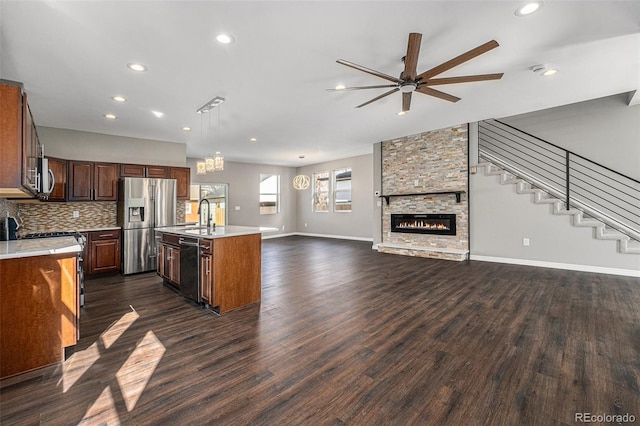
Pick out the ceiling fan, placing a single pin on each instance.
(410, 81)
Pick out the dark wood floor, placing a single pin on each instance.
(346, 335)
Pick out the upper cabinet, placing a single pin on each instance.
(183, 177)
(59, 169)
(140, 170)
(89, 181)
(19, 147)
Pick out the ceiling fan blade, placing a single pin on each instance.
(379, 97)
(362, 87)
(463, 79)
(369, 71)
(438, 94)
(406, 101)
(458, 60)
(411, 60)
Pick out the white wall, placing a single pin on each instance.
(604, 130)
(77, 145)
(358, 223)
(244, 192)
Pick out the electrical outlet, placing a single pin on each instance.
(237, 208)
(76, 214)
(525, 242)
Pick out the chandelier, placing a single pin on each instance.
(216, 162)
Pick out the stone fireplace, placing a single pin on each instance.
(425, 185)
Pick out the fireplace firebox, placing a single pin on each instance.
(439, 224)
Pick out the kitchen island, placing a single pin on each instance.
(39, 303)
(219, 267)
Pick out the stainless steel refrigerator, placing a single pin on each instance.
(143, 204)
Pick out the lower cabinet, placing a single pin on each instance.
(169, 262)
(39, 311)
(206, 272)
(103, 252)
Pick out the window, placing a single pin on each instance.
(321, 192)
(269, 194)
(342, 190)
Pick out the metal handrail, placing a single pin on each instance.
(598, 190)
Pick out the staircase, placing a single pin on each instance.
(593, 195)
(626, 244)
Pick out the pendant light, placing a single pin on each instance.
(211, 163)
(301, 182)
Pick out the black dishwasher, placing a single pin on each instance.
(190, 268)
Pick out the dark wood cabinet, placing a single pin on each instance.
(169, 262)
(206, 272)
(132, 170)
(182, 175)
(141, 170)
(59, 169)
(103, 254)
(17, 150)
(157, 172)
(89, 181)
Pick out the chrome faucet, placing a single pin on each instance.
(208, 213)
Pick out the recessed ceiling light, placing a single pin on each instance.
(253, 139)
(301, 156)
(186, 128)
(544, 70)
(224, 38)
(528, 8)
(110, 116)
(137, 67)
(340, 87)
(119, 98)
(158, 113)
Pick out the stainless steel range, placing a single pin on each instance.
(82, 242)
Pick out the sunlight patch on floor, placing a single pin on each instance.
(78, 364)
(103, 411)
(118, 328)
(137, 370)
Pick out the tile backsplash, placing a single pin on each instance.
(46, 217)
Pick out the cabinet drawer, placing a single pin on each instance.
(105, 235)
(171, 239)
(206, 246)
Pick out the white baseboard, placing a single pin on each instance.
(554, 265)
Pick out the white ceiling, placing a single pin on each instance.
(72, 57)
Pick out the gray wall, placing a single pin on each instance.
(500, 218)
(358, 223)
(604, 130)
(77, 145)
(244, 192)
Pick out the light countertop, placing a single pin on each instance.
(219, 232)
(38, 247)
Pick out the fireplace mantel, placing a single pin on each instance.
(457, 193)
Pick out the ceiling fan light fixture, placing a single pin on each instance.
(528, 8)
(408, 87)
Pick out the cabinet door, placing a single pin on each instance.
(157, 172)
(80, 180)
(206, 278)
(106, 256)
(105, 182)
(161, 259)
(30, 148)
(174, 265)
(59, 169)
(182, 175)
(132, 170)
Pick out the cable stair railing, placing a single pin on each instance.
(594, 195)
